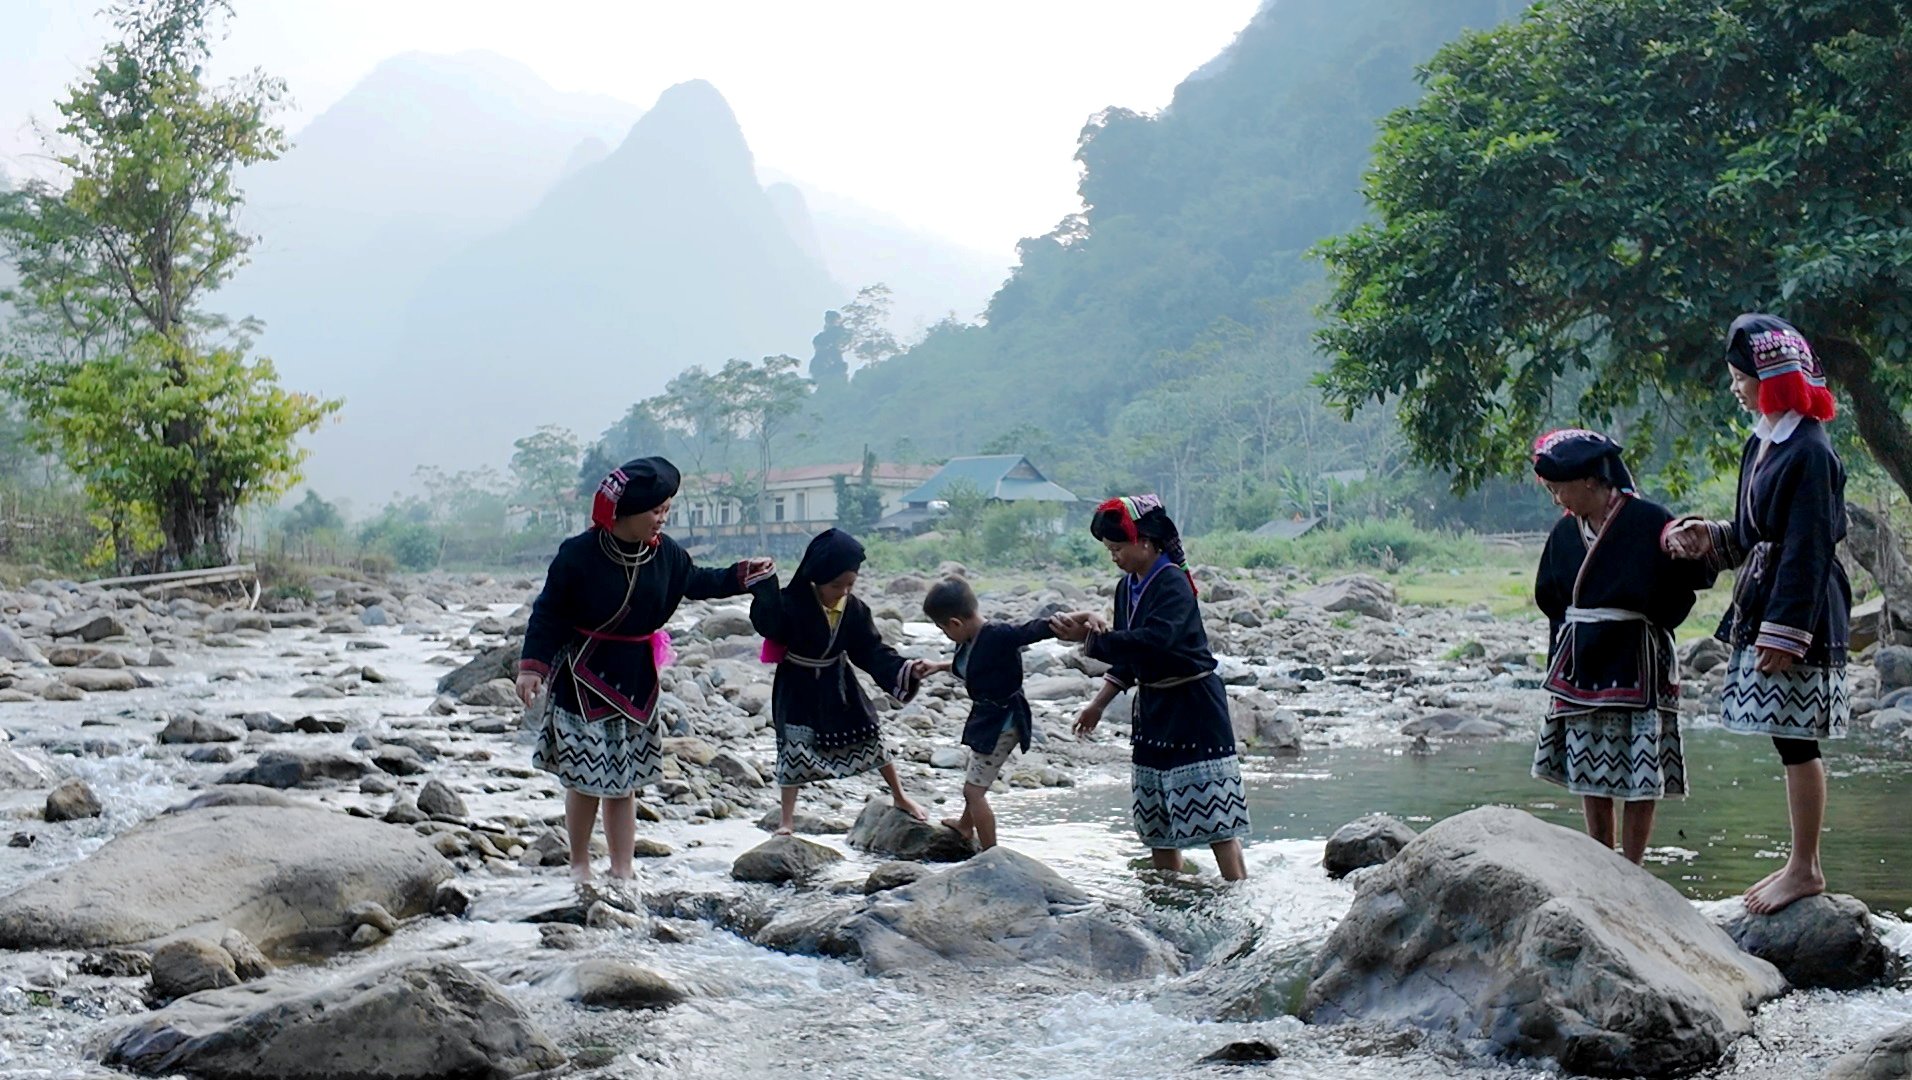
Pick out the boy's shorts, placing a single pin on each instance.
(985, 768)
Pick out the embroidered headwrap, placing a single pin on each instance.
(1576, 454)
(1141, 517)
(636, 486)
(1790, 378)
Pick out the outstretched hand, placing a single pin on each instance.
(755, 570)
(1086, 720)
(1077, 625)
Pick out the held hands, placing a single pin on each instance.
(1086, 721)
(1077, 626)
(923, 669)
(529, 684)
(1688, 539)
(755, 570)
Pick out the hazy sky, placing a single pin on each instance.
(845, 95)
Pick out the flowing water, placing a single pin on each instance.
(759, 1013)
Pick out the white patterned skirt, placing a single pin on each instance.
(1626, 754)
(1190, 805)
(608, 758)
(802, 759)
(1802, 702)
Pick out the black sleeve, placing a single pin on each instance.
(1810, 494)
(552, 615)
(866, 650)
(1156, 634)
(1553, 590)
(1031, 632)
(766, 610)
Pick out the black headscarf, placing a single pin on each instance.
(1140, 517)
(632, 488)
(831, 552)
(1576, 454)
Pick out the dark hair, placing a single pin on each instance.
(950, 598)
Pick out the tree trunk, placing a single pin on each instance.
(1879, 420)
(1870, 542)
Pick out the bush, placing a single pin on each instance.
(1381, 544)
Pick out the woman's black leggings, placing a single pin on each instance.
(1796, 751)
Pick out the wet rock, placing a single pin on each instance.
(1003, 909)
(608, 984)
(231, 622)
(293, 768)
(1364, 842)
(1494, 925)
(213, 754)
(736, 769)
(646, 848)
(439, 800)
(283, 876)
(18, 649)
(116, 964)
(1706, 654)
(189, 966)
(1894, 665)
(882, 829)
(373, 914)
(89, 626)
(198, 729)
(397, 760)
(815, 929)
(1887, 1057)
(725, 624)
(404, 811)
(270, 723)
(247, 961)
(1262, 724)
(949, 757)
(375, 616)
(783, 859)
(1251, 1052)
(1359, 593)
(157, 658)
(498, 663)
(71, 656)
(72, 801)
(320, 692)
(451, 900)
(561, 936)
(1825, 942)
(319, 725)
(496, 694)
(893, 875)
(18, 771)
(1453, 725)
(424, 1019)
(99, 680)
(235, 795)
(806, 824)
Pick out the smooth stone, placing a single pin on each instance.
(893, 875)
(609, 984)
(72, 801)
(189, 966)
(439, 800)
(882, 829)
(1820, 942)
(782, 859)
(99, 680)
(1363, 842)
(1886, 1057)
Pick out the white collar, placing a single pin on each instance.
(1771, 430)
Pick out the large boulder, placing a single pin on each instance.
(89, 626)
(1494, 925)
(1003, 909)
(99, 680)
(1359, 593)
(611, 984)
(1888, 1057)
(1820, 942)
(783, 859)
(882, 829)
(1363, 842)
(425, 1019)
(292, 768)
(498, 663)
(19, 771)
(284, 876)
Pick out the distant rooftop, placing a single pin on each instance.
(1005, 477)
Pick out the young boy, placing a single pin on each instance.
(989, 662)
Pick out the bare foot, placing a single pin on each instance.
(581, 874)
(956, 826)
(1782, 891)
(908, 806)
(785, 830)
(1754, 888)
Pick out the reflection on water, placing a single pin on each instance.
(1713, 844)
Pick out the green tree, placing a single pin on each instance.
(762, 401)
(859, 505)
(313, 515)
(865, 321)
(544, 469)
(145, 394)
(965, 504)
(1593, 192)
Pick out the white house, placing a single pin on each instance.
(801, 500)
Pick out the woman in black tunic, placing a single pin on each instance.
(1792, 604)
(595, 646)
(1186, 787)
(814, 628)
(1613, 600)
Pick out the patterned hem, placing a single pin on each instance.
(1806, 701)
(608, 759)
(1626, 754)
(801, 761)
(1189, 805)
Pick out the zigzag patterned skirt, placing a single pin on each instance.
(1189, 805)
(1627, 754)
(1802, 702)
(803, 759)
(608, 758)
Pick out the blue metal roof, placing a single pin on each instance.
(1007, 477)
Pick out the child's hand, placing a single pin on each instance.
(1070, 627)
(941, 666)
(755, 570)
(1086, 721)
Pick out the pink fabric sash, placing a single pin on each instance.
(773, 652)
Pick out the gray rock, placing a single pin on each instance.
(423, 1019)
(783, 859)
(72, 801)
(439, 800)
(210, 754)
(89, 626)
(283, 876)
(84, 656)
(882, 829)
(1887, 1057)
(1824, 942)
(1894, 665)
(1359, 593)
(404, 811)
(235, 795)
(18, 771)
(948, 757)
(231, 622)
(373, 914)
(1262, 724)
(293, 768)
(1364, 842)
(198, 729)
(561, 936)
(736, 769)
(1493, 925)
(893, 875)
(188, 966)
(498, 663)
(247, 961)
(116, 963)
(60, 691)
(496, 694)
(397, 760)
(1250, 1052)
(608, 984)
(1453, 725)
(270, 723)
(805, 824)
(375, 616)
(1070, 687)
(17, 649)
(725, 624)
(157, 658)
(1706, 654)
(814, 929)
(99, 680)
(1000, 910)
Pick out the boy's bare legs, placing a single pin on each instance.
(976, 809)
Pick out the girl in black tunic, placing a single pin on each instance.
(814, 629)
(1791, 603)
(1613, 600)
(1186, 784)
(595, 646)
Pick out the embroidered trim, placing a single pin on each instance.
(1789, 639)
